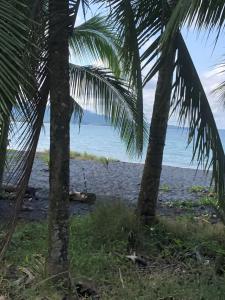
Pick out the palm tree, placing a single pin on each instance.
(185, 95)
(14, 26)
(113, 97)
(204, 15)
(58, 223)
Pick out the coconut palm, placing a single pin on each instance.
(58, 223)
(203, 15)
(14, 80)
(112, 96)
(178, 86)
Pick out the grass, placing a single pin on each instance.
(182, 254)
(199, 189)
(77, 155)
(164, 188)
(204, 201)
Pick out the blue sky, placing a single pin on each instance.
(206, 59)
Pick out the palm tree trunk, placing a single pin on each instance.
(59, 140)
(4, 144)
(147, 200)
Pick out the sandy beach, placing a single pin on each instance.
(117, 180)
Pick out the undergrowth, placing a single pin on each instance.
(185, 258)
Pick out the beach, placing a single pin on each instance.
(110, 182)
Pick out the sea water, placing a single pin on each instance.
(105, 141)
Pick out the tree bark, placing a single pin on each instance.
(59, 140)
(148, 196)
(4, 143)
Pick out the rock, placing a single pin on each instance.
(89, 198)
(86, 290)
(26, 207)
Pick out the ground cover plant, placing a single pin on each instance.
(117, 258)
(44, 155)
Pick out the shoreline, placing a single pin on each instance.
(110, 182)
(83, 155)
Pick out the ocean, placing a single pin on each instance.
(105, 141)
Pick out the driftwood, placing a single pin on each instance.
(82, 197)
(30, 191)
(30, 195)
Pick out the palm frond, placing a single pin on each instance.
(201, 14)
(76, 110)
(123, 13)
(13, 41)
(190, 100)
(96, 40)
(110, 97)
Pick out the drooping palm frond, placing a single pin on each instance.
(76, 110)
(22, 169)
(152, 17)
(123, 15)
(13, 41)
(28, 94)
(96, 40)
(201, 14)
(110, 97)
(190, 100)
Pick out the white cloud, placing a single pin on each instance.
(210, 81)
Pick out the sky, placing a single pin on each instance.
(206, 57)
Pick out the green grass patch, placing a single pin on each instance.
(191, 204)
(181, 255)
(77, 155)
(164, 188)
(199, 189)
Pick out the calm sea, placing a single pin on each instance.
(104, 141)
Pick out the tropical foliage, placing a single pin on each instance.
(188, 97)
(204, 15)
(109, 94)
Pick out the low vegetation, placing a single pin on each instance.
(199, 189)
(165, 188)
(204, 202)
(78, 155)
(179, 258)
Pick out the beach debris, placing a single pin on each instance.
(26, 207)
(27, 277)
(82, 197)
(139, 260)
(10, 191)
(86, 290)
(19, 275)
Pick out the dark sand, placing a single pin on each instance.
(118, 180)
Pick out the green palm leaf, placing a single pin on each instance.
(110, 97)
(194, 110)
(13, 43)
(123, 13)
(202, 14)
(189, 98)
(96, 39)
